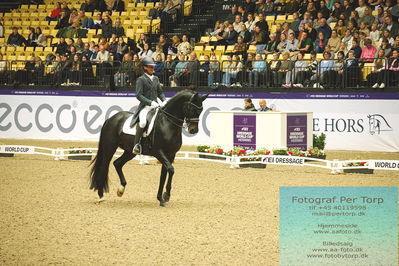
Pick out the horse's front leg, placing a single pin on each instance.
(167, 168)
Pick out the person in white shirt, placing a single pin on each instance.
(250, 23)
(103, 55)
(237, 24)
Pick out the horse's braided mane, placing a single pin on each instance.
(177, 96)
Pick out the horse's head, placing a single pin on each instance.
(192, 110)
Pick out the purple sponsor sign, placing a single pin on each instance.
(296, 131)
(244, 134)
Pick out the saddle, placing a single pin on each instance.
(151, 116)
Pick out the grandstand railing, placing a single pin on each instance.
(108, 75)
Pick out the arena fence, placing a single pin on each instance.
(276, 74)
(336, 166)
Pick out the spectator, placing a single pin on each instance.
(237, 24)
(282, 46)
(260, 7)
(271, 46)
(351, 70)
(119, 6)
(63, 20)
(374, 34)
(169, 67)
(250, 23)
(305, 44)
(312, 33)
(244, 34)
(106, 27)
(343, 48)
(234, 12)
(340, 28)
(102, 55)
(32, 37)
(73, 72)
(324, 10)
(379, 19)
(306, 19)
(184, 47)
(392, 26)
(320, 43)
(262, 24)
(284, 67)
(324, 28)
(386, 34)
(368, 51)
(54, 14)
(325, 65)
(379, 65)
(292, 43)
(270, 8)
(334, 41)
(361, 8)
(213, 71)
(296, 76)
(286, 30)
(121, 49)
(146, 51)
(336, 13)
(88, 6)
(88, 23)
(103, 41)
(76, 17)
(232, 71)
(193, 67)
(1, 29)
(230, 38)
(386, 47)
(316, 22)
(240, 48)
(98, 21)
(260, 40)
(172, 49)
(368, 18)
(333, 77)
(62, 47)
(158, 51)
(294, 25)
(259, 68)
(79, 45)
(396, 43)
(242, 12)
(347, 9)
(248, 105)
(391, 72)
(180, 69)
(86, 51)
(163, 43)
(118, 29)
(356, 48)
(15, 39)
(3, 70)
(159, 67)
(142, 40)
(362, 36)
(250, 6)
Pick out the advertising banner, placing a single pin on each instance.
(296, 131)
(245, 131)
(367, 122)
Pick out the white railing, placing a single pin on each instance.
(336, 166)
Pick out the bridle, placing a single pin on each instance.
(185, 120)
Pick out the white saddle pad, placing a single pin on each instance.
(132, 130)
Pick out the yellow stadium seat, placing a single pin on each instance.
(251, 49)
(143, 13)
(29, 49)
(48, 49)
(38, 49)
(366, 70)
(319, 56)
(198, 48)
(229, 48)
(204, 39)
(130, 33)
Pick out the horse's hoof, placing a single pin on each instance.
(120, 191)
(101, 200)
(163, 204)
(166, 197)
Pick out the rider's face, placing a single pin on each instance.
(149, 69)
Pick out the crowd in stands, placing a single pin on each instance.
(348, 35)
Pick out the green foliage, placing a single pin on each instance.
(319, 141)
(203, 148)
(280, 152)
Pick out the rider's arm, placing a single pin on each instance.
(160, 92)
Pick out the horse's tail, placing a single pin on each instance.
(100, 166)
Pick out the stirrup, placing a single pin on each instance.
(137, 149)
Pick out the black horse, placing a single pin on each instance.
(164, 141)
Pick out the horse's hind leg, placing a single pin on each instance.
(119, 163)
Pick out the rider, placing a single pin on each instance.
(148, 89)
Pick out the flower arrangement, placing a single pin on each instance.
(355, 164)
(79, 151)
(356, 167)
(312, 152)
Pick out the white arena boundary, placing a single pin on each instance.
(336, 166)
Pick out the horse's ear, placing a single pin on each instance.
(203, 97)
(193, 97)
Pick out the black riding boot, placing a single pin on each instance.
(139, 134)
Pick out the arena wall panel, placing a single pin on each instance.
(367, 122)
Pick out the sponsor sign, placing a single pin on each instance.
(245, 131)
(364, 122)
(384, 164)
(296, 131)
(285, 160)
(16, 149)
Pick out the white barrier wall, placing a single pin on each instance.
(350, 121)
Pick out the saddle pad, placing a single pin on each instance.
(132, 130)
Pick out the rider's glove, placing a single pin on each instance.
(154, 104)
(163, 103)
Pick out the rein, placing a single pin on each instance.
(169, 116)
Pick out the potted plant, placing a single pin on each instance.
(83, 154)
(355, 168)
(319, 141)
(6, 154)
(211, 150)
(315, 152)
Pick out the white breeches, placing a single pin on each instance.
(143, 116)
